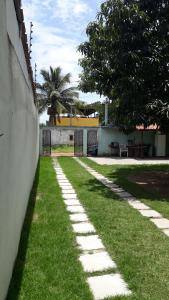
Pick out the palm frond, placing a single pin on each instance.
(56, 76)
(55, 89)
(70, 93)
(42, 103)
(45, 74)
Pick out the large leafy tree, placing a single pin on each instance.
(54, 93)
(126, 58)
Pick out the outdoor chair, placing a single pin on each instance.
(123, 149)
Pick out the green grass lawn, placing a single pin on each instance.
(140, 250)
(63, 149)
(47, 267)
(119, 174)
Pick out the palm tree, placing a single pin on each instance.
(54, 93)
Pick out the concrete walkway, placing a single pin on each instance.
(58, 154)
(127, 161)
(93, 257)
(159, 221)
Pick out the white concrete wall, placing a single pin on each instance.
(19, 143)
(61, 136)
(108, 135)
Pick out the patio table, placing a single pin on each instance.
(137, 150)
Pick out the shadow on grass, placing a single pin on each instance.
(120, 176)
(93, 185)
(15, 284)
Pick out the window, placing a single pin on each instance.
(71, 137)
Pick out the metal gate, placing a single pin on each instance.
(92, 143)
(46, 142)
(78, 143)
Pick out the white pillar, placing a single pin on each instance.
(106, 113)
(84, 142)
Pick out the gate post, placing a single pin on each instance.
(84, 142)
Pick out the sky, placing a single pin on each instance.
(58, 28)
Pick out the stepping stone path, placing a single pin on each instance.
(72, 202)
(75, 209)
(155, 217)
(78, 218)
(93, 257)
(83, 227)
(96, 262)
(89, 243)
(108, 286)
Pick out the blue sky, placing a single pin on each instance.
(59, 27)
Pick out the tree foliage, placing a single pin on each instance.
(126, 58)
(54, 92)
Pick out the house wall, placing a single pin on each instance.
(77, 121)
(18, 143)
(61, 136)
(108, 135)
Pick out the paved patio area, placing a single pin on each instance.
(128, 161)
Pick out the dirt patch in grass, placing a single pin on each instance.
(152, 181)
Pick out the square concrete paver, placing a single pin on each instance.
(132, 199)
(105, 181)
(71, 202)
(65, 185)
(124, 194)
(161, 223)
(95, 173)
(85, 227)
(68, 191)
(78, 217)
(96, 262)
(150, 213)
(138, 205)
(116, 189)
(69, 196)
(62, 180)
(110, 285)
(92, 242)
(75, 209)
(61, 177)
(100, 177)
(112, 185)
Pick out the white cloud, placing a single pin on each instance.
(51, 48)
(57, 31)
(51, 44)
(67, 10)
(80, 8)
